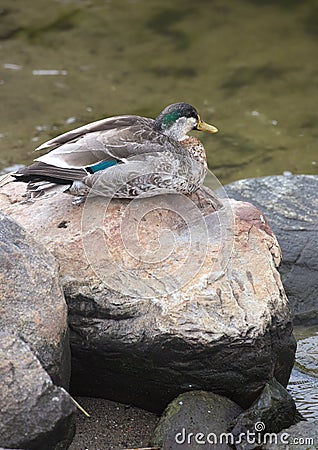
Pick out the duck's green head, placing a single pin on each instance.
(178, 119)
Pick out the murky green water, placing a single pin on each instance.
(249, 66)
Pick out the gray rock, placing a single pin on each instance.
(196, 420)
(274, 410)
(290, 204)
(31, 299)
(166, 294)
(34, 414)
(303, 436)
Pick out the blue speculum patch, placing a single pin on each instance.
(102, 165)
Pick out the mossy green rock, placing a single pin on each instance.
(196, 420)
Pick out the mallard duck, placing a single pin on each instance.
(123, 157)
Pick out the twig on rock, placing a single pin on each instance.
(80, 407)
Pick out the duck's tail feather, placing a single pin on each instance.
(36, 189)
(40, 171)
(5, 179)
(44, 189)
(45, 180)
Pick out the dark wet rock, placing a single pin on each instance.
(290, 206)
(154, 313)
(196, 420)
(273, 411)
(303, 436)
(31, 299)
(34, 414)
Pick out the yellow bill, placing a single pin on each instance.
(203, 126)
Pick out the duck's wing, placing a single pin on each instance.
(107, 124)
(137, 175)
(114, 138)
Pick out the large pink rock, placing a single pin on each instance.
(166, 294)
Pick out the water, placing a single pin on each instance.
(304, 390)
(303, 384)
(249, 66)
